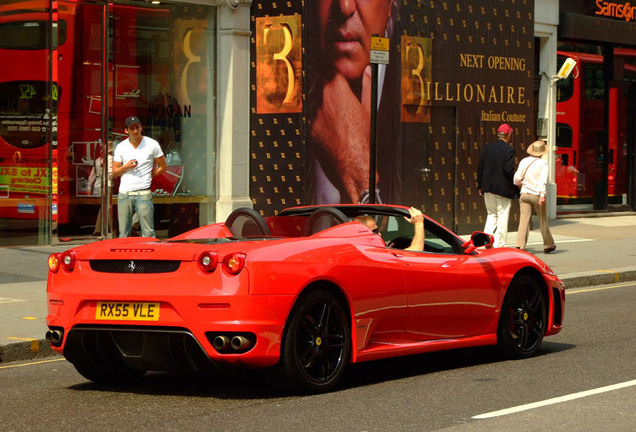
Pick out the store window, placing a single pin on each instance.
(71, 75)
(162, 64)
(28, 98)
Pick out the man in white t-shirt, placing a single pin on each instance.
(137, 160)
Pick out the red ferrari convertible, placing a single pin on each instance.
(308, 290)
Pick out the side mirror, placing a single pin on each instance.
(482, 239)
(478, 239)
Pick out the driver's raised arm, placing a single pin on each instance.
(417, 220)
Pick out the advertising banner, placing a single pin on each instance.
(455, 72)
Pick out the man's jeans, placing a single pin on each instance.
(130, 202)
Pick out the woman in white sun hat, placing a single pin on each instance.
(532, 176)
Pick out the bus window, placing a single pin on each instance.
(30, 35)
(564, 136)
(594, 82)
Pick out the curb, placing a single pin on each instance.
(40, 348)
(599, 277)
(25, 350)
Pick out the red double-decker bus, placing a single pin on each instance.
(581, 128)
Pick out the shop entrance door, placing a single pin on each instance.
(432, 180)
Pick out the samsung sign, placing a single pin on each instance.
(622, 11)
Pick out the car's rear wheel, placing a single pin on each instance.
(317, 343)
(522, 321)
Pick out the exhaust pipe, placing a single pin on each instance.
(240, 343)
(221, 343)
(55, 337)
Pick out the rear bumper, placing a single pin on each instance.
(183, 338)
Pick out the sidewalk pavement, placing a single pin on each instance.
(593, 250)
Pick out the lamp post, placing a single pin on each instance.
(379, 54)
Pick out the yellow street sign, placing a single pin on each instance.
(379, 43)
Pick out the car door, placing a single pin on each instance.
(449, 294)
(380, 297)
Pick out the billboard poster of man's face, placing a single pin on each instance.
(455, 72)
(340, 96)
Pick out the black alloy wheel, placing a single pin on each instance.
(316, 344)
(522, 321)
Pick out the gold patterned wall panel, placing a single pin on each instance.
(278, 65)
(277, 156)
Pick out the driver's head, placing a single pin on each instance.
(369, 221)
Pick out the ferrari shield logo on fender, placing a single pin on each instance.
(131, 266)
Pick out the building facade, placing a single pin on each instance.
(456, 70)
(268, 104)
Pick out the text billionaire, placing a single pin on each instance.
(464, 92)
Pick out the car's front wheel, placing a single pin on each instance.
(317, 343)
(522, 321)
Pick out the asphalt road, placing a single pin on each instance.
(432, 392)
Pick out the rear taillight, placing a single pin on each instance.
(208, 261)
(54, 262)
(234, 263)
(68, 261)
(65, 260)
